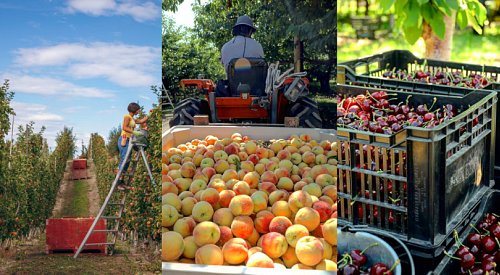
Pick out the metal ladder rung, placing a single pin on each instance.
(90, 244)
(105, 230)
(116, 203)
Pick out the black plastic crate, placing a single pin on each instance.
(419, 184)
(369, 71)
(488, 204)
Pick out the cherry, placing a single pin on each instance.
(488, 244)
(351, 269)
(462, 250)
(475, 249)
(488, 265)
(477, 271)
(358, 257)
(474, 238)
(467, 260)
(429, 116)
(421, 109)
(491, 218)
(495, 230)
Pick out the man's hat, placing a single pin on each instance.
(244, 20)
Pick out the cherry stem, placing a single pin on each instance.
(369, 95)
(495, 215)
(457, 239)
(371, 245)
(434, 102)
(393, 266)
(453, 257)
(498, 243)
(408, 99)
(477, 230)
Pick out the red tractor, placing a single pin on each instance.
(253, 92)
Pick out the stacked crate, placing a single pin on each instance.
(79, 169)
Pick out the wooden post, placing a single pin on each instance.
(292, 122)
(201, 120)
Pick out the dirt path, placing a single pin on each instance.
(64, 189)
(94, 199)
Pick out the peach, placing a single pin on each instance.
(188, 169)
(290, 258)
(241, 188)
(318, 170)
(221, 166)
(235, 251)
(324, 209)
(328, 252)
(185, 194)
(223, 216)
(262, 221)
(296, 172)
(175, 159)
(308, 157)
(301, 266)
(171, 199)
(209, 172)
(309, 250)
(260, 168)
(209, 254)
(172, 246)
(218, 185)
(318, 150)
(274, 244)
(252, 178)
(272, 165)
(308, 217)
(317, 232)
(285, 184)
(207, 162)
(184, 226)
(169, 215)
(250, 147)
(241, 205)
(243, 155)
(325, 180)
(202, 211)
(225, 235)
(299, 199)
(269, 176)
(242, 227)
(233, 159)
(247, 166)
(296, 158)
(259, 259)
(267, 187)
(190, 247)
(276, 147)
(254, 238)
(259, 199)
(206, 233)
(254, 250)
(182, 184)
(281, 173)
(325, 199)
(229, 174)
(327, 265)
(169, 187)
(187, 206)
(330, 191)
(225, 197)
(279, 224)
(253, 158)
(200, 176)
(197, 185)
(230, 183)
(210, 195)
(277, 195)
(299, 185)
(330, 231)
(321, 159)
(294, 233)
(232, 149)
(281, 208)
(197, 158)
(285, 164)
(262, 153)
(313, 189)
(304, 148)
(284, 154)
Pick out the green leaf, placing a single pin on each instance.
(453, 4)
(462, 19)
(386, 4)
(422, 2)
(437, 24)
(480, 11)
(443, 7)
(412, 33)
(400, 6)
(413, 14)
(473, 22)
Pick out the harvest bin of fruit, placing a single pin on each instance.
(236, 199)
(400, 69)
(477, 248)
(413, 164)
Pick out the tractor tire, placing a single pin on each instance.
(185, 111)
(307, 111)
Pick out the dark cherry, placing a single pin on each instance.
(357, 257)
(475, 249)
(467, 260)
(488, 244)
(477, 271)
(462, 250)
(474, 238)
(495, 230)
(488, 265)
(351, 269)
(379, 269)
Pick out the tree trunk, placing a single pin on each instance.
(436, 48)
(298, 54)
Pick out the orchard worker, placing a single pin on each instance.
(128, 125)
(242, 44)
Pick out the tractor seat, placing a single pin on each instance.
(251, 71)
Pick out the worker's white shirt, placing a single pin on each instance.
(238, 47)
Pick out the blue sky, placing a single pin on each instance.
(79, 63)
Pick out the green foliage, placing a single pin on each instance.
(186, 56)
(170, 5)
(412, 13)
(113, 136)
(30, 176)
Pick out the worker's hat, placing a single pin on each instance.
(244, 20)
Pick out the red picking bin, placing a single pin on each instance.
(66, 235)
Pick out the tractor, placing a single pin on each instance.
(254, 92)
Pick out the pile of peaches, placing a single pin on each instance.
(238, 201)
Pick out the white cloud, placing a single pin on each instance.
(122, 64)
(52, 86)
(139, 10)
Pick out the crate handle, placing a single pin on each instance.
(364, 228)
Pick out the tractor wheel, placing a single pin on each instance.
(307, 111)
(186, 110)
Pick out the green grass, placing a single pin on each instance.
(77, 204)
(467, 47)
